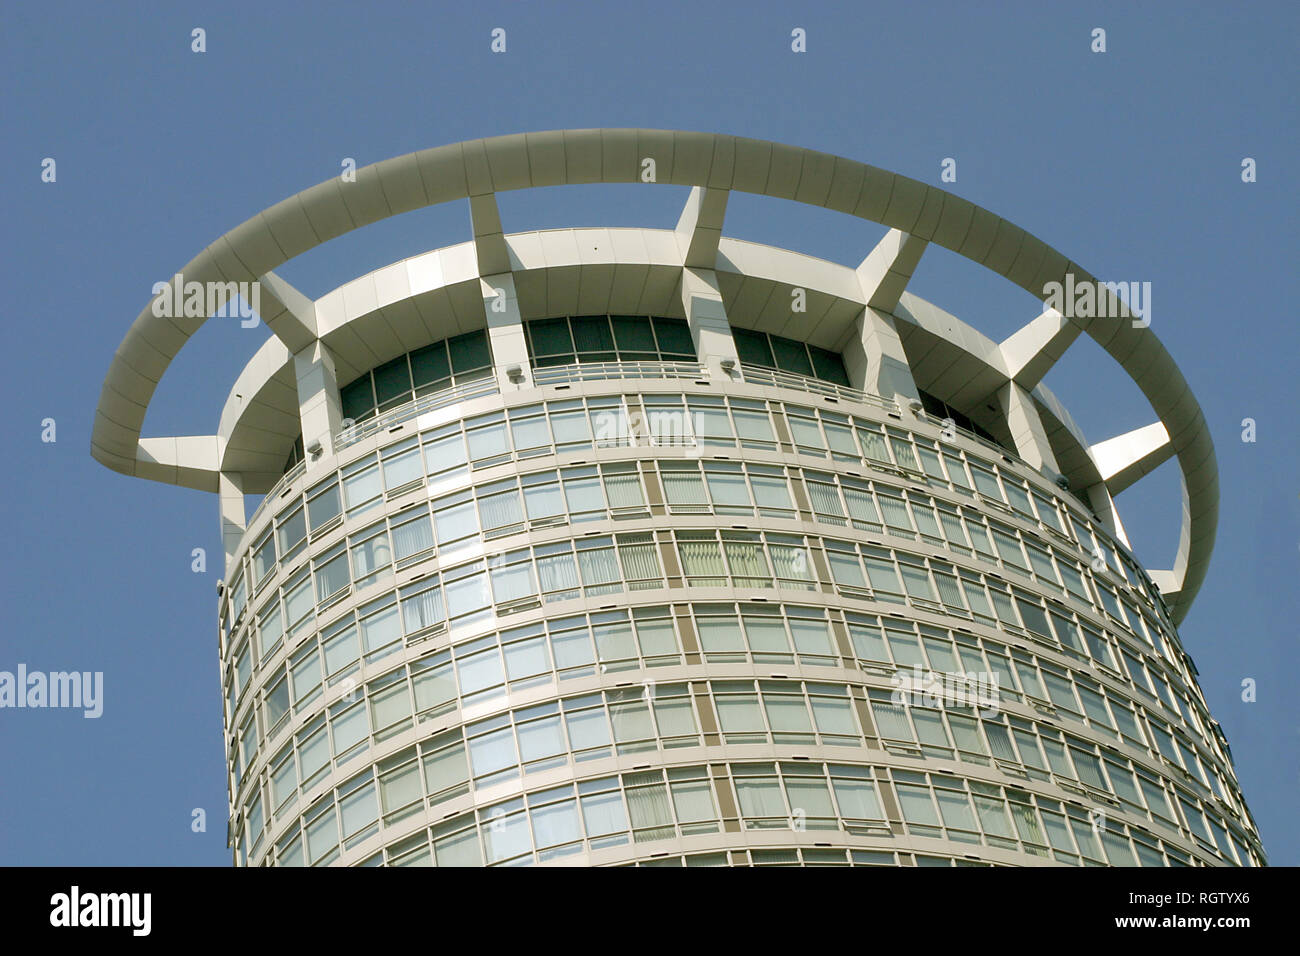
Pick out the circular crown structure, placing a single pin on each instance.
(624, 546)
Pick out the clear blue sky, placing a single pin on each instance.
(1128, 162)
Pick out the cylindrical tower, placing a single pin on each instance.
(633, 546)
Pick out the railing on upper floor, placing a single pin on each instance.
(593, 371)
(756, 375)
(475, 388)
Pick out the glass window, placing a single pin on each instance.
(298, 601)
(603, 814)
(828, 366)
(392, 382)
(469, 351)
(341, 650)
(754, 427)
(623, 489)
(332, 575)
(846, 568)
(720, 635)
(693, 801)
(588, 732)
(771, 493)
(542, 496)
(728, 489)
(421, 609)
(674, 338)
(492, 752)
(760, 797)
(633, 334)
(306, 677)
(752, 348)
(540, 741)
(322, 836)
(791, 356)
(570, 427)
(350, 728)
(292, 530)
(500, 512)
(455, 519)
(358, 399)
(550, 336)
(583, 494)
(916, 804)
(402, 465)
(684, 486)
(381, 629)
(371, 555)
(263, 558)
(430, 364)
(556, 825)
(857, 799)
(807, 433)
(467, 595)
(277, 704)
(445, 455)
(883, 576)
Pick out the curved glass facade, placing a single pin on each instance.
(668, 623)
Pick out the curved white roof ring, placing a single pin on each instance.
(481, 168)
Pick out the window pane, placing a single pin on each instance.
(791, 356)
(469, 351)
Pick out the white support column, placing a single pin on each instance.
(234, 520)
(874, 356)
(875, 361)
(707, 317)
(1026, 427)
(319, 407)
(506, 332)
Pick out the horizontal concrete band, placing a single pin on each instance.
(480, 168)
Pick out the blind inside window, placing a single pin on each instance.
(640, 561)
(891, 721)
(598, 566)
(684, 488)
(825, 499)
(650, 810)
(500, 511)
(792, 562)
(557, 573)
(760, 797)
(412, 538)
(702, 558)
(895, 512)
(873, 445)
(624, 490)
(746, 559)
(422, 610)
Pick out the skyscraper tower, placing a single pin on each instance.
(608, 546)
